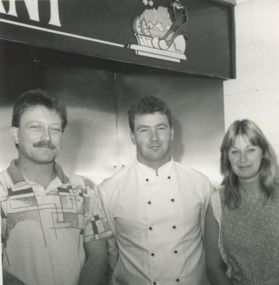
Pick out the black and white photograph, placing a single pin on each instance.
(139, 142)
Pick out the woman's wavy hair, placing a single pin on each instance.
(268, 169)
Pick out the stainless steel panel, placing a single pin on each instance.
(97, 140)
(198, 117)
(89, 143)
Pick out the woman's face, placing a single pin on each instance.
(245, 158)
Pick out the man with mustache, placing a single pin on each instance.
(54, 228)
(156, 207)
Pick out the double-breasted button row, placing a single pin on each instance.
(153, 254)
(147, 179)
(149, 202)
(151, 228)
(177, 280)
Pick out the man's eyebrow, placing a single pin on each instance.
(31, 122)
(142, 126)
(148, 126)
(162, 124)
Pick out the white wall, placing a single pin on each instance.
(254, 94)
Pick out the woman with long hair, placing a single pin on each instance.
(242, 220)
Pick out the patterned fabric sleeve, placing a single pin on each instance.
(3, 204)
(217, 211)
(96, 225)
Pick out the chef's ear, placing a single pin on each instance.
(133, 139)
(14, 134)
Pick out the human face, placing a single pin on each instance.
(245, 158)
(39, 135)
(152, 136)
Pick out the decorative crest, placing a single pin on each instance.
(161, 33)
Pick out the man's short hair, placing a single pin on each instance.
(148, 105)
(38, 97)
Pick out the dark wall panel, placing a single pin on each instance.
(104, 29)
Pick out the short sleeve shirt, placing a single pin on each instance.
(43, 230)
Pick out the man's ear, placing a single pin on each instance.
(132, 135)
(172, 133)
(14, 134)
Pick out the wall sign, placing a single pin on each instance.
(33, 10)
(193, 37)
(161, 33)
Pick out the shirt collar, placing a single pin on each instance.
(17, 177)
(150, 171)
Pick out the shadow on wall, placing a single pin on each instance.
(177, 144)
(72, 143)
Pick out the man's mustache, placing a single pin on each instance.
(44, 144)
